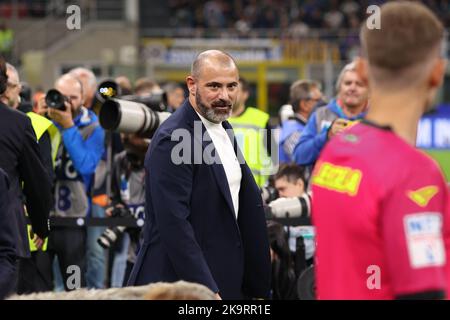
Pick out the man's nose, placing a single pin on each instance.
(224, 94)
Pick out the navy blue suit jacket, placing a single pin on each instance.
(191, 232)
(7, 239)
(21, 160)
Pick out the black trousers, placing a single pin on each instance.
(69, 245)
(34, 274)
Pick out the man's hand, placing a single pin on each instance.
(41, 107)
(218, 296)
(63, 118)
(337, 126)
(109, 210)
(38, 242)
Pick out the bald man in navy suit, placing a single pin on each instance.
(204, 217)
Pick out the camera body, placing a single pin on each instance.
(110, 235)
(106, 90)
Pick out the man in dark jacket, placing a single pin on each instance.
(21, 160)
(7, 244)
(204, 217)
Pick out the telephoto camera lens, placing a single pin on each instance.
(130, 117)
(109, 236)
(55, 100)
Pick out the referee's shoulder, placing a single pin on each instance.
(426, 162)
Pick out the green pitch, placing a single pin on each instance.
(443, 158)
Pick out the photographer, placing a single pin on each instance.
(95, 255)
(80, 151)
(127, 198)
(136, 117)
(89, 83)
(350, 104)
(175, 95)
(283, 274)
(294, 202)
(304, 95)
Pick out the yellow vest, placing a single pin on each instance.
(41, 125)
(249, 131)
(6, 40)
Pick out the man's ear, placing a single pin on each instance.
(247, 95)
(437, 73)
(361, 69)
(301, 184)
(192, 86)
(303, 105)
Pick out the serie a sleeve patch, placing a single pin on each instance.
(423, 232)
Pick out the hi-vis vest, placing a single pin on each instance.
(41, 125)
(249, 129)
(6, 40)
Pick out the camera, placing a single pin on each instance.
(129, 114)
(105, 90)
(157, 101)
(55, 100)
(294, 207)
(269, 193)
(133, 114)
(110, 235)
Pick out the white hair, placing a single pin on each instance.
(85, 73)
(348, 67)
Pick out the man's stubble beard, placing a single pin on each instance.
(210, 114)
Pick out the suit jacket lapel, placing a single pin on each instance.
(237, 150)
(218, 170)
(205, 139)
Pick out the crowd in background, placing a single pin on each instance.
(297, 16)
(310, 121)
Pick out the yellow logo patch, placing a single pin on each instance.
(422, 196)
(337, 178)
